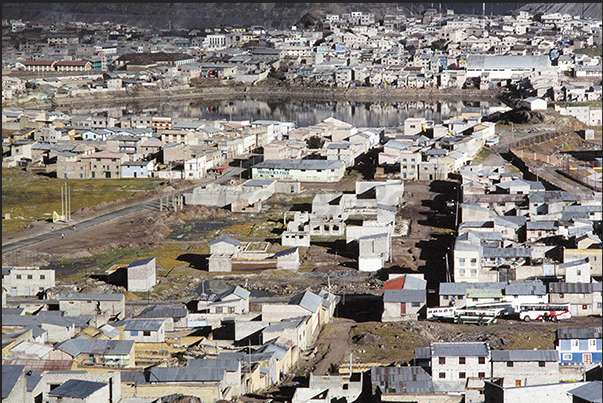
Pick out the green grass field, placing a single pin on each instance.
(29, 197)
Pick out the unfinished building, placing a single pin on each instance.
(247, 197)
(228, 254)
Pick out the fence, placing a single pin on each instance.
(549, 159)
(541, 138)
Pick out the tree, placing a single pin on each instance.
(276, 74)
(439, 44)
(315, 142)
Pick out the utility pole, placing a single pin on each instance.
(62, 199)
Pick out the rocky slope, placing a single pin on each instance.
(270, 15)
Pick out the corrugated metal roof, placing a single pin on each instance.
(507, 252)
(484, 293)
(135, 377)
(273, 346)
(405, 296)
(552, 196)
(493, 285)
(32, 381)
(228, 362)
(525, 355)
(277, 327)
(571, 288)
(573, 263)
(141, 262)
(397, 145)
(285, 252)
(226, 239)
(307, 300)
(591, 392)
(13, 311)
(541, 225)
(423, 353)
(10, 376)
(151, 325)
(583, 208)
(236, 290)
(373, 236)
(453, 288)
(77, 388)
(40, 365)
(109, 331)
(414, 283)
(162, 311)
(395, 283)
(91, 297)
(460, 349)
(579, 333)
(526, 288)
(31, 321)
(477, 224)
(186, 374)
(74, 347)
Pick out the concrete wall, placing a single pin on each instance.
(594, 257)
(452, 369)
(232, 304)
(56, 334)
(247, 328)
(288, 187)
(295, 238)
(528, 373)
(19, 392)
(222, 196)
(308, 175)
(143, 277)
(288, 262)
(219, 263)
(154, 337)
(278, 312)
(101, 311)
(353, 232)
(296, 334)
(32, 280)
(370, 263)
(392, 311)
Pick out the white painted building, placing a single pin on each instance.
(27, 281)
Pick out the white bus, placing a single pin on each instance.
(507, 307)
(441, 313)
(478, 316)
(545, 312)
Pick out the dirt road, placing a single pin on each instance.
(333, 345)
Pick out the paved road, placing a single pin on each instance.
(86, 224)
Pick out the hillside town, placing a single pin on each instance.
(525, 248)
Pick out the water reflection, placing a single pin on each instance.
(303, 112)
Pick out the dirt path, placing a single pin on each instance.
(333, 345)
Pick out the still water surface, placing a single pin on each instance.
(302, 112)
